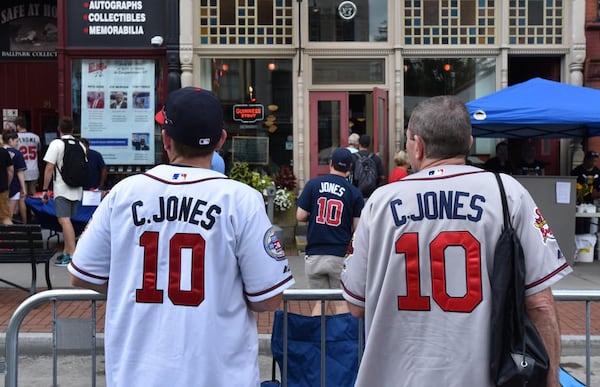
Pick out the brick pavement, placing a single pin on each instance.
(571, 314)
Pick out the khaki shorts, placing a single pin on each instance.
(4, 211)
(323, 271)
(31, 187)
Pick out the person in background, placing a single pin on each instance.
(353, 142)
(66, 198)
(180, 290)
(6, 176)
(500, 162)
(529, 165)
(588, 178)
(401, 169)
(331, 205)
(421, 277)
(217, 163)
(17, 184)
(96, 167)
(30, 147)
(364, 143)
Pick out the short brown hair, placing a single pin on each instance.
(66, 125)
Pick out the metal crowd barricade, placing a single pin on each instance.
(588, 296)
(12, 331)
(322, 295)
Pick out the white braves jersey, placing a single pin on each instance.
(29, 146)
(183, 249)
(421, 268)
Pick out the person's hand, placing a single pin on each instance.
(45, 197)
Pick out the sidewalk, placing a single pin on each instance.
(586, 276)
(35, 332)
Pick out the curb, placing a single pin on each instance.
(31, 344)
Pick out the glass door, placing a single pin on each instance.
(380, 125)
(328, 128)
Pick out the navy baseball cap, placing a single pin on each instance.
(589, 155)
(342, 159)
(192, 116)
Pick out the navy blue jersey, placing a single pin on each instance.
(333, 203)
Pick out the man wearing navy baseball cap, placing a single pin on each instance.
(331, 205)
(192, 117)
(184, 247)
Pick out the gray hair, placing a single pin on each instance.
(445, 126)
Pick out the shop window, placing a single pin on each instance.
(467, 12)
(113, 104)
(264, 88)
(259, 22)
(437, 22)
(468, 78)
(535, 12)
(535, 22)
(227, 12)
(431, 12)
(265, 12)
(347, 21)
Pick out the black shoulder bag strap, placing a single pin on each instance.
(505, 212)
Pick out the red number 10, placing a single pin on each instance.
(149, 293)
(408, 244)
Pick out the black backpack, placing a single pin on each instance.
(365, 173)
(74, 165)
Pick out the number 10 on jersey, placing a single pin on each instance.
(149, 293)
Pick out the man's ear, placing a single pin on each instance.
(166, 140)
(222, 139)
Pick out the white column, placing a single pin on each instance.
(186, 43)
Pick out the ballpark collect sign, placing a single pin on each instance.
(114, 23)
(28, 30)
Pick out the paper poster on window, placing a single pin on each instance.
(117, 109)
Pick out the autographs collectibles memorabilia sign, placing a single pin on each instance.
(113, 23)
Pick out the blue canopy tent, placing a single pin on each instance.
(537, 108)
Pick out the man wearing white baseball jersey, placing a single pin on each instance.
(184, 255)
(423, 253)
(29, 146)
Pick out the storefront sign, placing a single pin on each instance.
(117, 109)
(248, 113)
(114, 23)
(28, 30)
(347, 10)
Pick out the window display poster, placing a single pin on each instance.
(117, 109)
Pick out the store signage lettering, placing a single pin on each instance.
(28, 30)
(104, 23)
(248, 113)
(119, 19)
(27, 10)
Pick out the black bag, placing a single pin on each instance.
(365, 173)
(518, 356)
(74, 165)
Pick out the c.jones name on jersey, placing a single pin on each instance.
(173, 208)
(440, 205)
